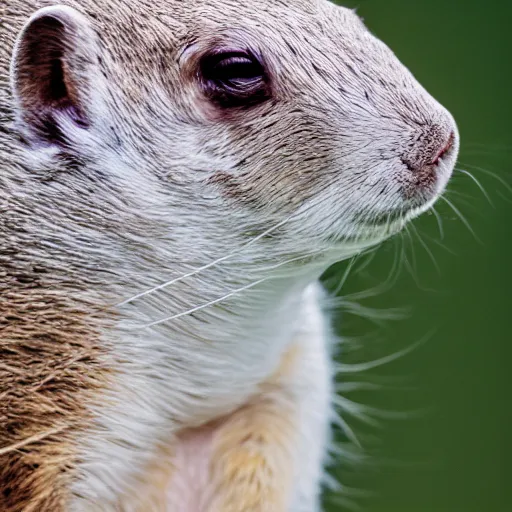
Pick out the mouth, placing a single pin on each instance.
(369, 231)
(385, 224)
(414, 192)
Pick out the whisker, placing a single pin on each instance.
(345, 275)
(478, 184)
(397, 263)
(202, 306)
(232, 293)
(388, 283)
(489, 173)
(204, 267)
(412, 265)
(362, 411)
(370, 256)
(347, 430)
(503, 196)
(355, 410)
(439, 222)
(346, 504)
(411, 244)
(461, 217)
(302, 257)
(349, 387)
(373, 314)
(427, 249)
(356, 493)
(438, 243)
(489, 149)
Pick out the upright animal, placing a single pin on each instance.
(175, 175)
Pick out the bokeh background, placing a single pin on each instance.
(442, 438)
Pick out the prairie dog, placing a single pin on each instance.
(175, 176)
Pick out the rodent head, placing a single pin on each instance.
(240, 114)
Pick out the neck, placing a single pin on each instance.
(199, 347)
(232, 319)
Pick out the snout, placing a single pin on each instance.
(428, 160)
(445, 150)
(429, 147)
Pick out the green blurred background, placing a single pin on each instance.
(451, 451)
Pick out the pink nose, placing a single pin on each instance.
(429, 148)
(445, 149)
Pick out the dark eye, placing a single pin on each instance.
(234, 78)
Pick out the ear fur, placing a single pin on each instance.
(54, 64)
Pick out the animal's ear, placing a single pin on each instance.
(53, 69)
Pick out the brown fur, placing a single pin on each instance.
(50, 364)
(51, 361)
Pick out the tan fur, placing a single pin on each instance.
(250, 469)
(50, 365)
(252, 465)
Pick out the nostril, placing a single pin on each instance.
(445, 149)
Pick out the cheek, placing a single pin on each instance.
(277, 182)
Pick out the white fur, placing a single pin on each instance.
(175, 377)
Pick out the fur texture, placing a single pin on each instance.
(127, 374)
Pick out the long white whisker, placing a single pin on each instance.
(346, 503)
(412, 265)
(204, 267)
(492, 174)
(370, 256)
(347, 430)
(425, 246)
(355, 409)
(384, 286)
(478, 184)
(437, 242)
(486, 145)
(345, 275)
(363, 411)
(203, 306)
(461, 217)
(349, 387)
(373, 314)
(228, 295)
(439, 222)
(292, 260)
